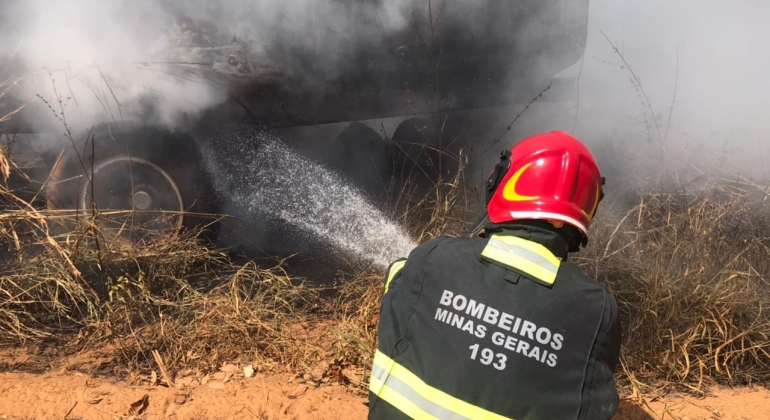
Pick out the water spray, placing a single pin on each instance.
(278, 181)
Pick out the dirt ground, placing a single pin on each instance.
(230, 395)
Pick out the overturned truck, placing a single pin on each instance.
(370, 99)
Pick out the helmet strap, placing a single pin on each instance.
(497, 175)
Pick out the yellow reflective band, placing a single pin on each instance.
(530, 257)
(400, 402)
(394, 269)
(407, 392)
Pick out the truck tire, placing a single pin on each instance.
(362, 156)
(416, 157)
(140, 179)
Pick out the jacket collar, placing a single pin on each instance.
(534, 231)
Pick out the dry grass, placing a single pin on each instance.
(447, 206)
(250, 318)
(154, 299)
(690, 272)
(168, 293)
(687, 264)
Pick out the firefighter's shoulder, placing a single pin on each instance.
(415, 257)
(421, 252)
(428, 246)
(445, 246)
(581, 284)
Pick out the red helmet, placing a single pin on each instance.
(551, 176)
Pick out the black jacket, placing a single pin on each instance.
(495, 327)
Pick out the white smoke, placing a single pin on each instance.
(108, 59)
(703, 63)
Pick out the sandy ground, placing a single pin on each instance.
(77, 396)
(230, 395)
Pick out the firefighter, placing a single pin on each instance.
(501, 326)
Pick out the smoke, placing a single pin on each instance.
(162, 59)
(702, 63)
(116, 59)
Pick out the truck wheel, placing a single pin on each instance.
(416, 157)
(363, 157)
(139, 179)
